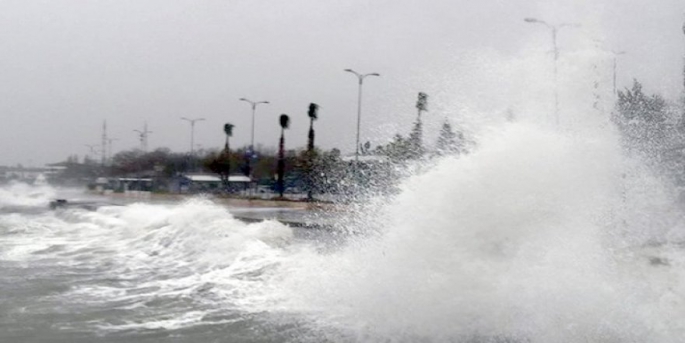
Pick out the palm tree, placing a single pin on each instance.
(284, 120)
(225, 156)
(313, 115)
(309, 177)
(228, 129)
(416, 136)
(422, 103)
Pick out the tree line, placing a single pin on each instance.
(652, 129)
(308, 169)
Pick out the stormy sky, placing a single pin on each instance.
(68, 65)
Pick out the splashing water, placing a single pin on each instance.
(134, 267)
(21, 194)
(536, 236)
(520, 241)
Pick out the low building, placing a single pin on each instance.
(208, 183)
(125, 184)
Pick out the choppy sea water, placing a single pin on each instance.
(536, 236)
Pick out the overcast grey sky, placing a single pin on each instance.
(67, 65)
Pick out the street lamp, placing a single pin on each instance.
(359, 108)
(143, 136)
(192, 131)
(554, 29)
(254, 108)
(684, 60)
(616, 54)
(109, 141)
(91, 147)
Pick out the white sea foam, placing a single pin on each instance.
(522, 240)
(21, 194)
(140, 254)
(538, 235)
(535, 236)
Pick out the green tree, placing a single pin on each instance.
(642, 120)
(415, 148)
(127, 162)
(399, 149)
(220, 163)
(329, 170)
(450, 142)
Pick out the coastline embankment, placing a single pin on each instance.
(290, 212)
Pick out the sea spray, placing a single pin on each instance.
(153, 264)
(21, 194)
(535, 236)
(515, 242)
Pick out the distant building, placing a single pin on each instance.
(208, 183)
(125, 184)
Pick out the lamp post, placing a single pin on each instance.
(616, 54)
(91, 148)
(554, 30)
(192, 131)
(684, 63)
(109, 146)
(254, 109)
(143, 137)
(359, 108)
(251, 153)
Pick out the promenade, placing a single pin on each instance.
(293, 213)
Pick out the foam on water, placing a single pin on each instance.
(195, 256)
(21, 194)
(536, 236)
(522, 240)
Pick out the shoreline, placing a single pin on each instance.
(229, 201)
(301, 214)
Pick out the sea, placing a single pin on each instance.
(536, 235)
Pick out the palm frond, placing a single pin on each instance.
(228, 129)
(284, 121)
(313, 111)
